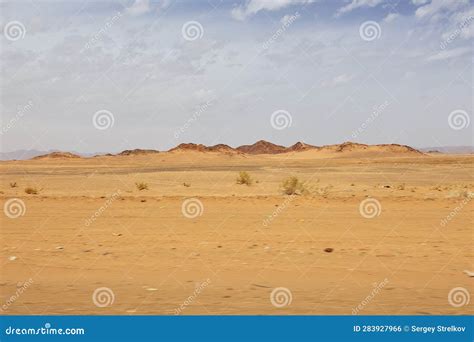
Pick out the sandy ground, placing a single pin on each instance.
(90, 228)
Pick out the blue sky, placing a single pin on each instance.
(110, 75)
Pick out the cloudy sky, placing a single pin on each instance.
(105, 76)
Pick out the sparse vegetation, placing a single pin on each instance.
(13, 185)
(31, 191)
(186, 184)
(141, 186)
(293, 186)
(244, 178)
(323, 191)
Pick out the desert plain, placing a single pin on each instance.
(193, 241)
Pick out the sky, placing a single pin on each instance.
(104, 76)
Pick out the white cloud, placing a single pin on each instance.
(139, 7)
(342, 79)
(358, 4)
(448, 54)
(391, 17)
(438, 7)
(339, 80)
(154, 81)
(204, 94)
(409, 75)
(287, 19)
(419, 2)
(463, 25)
(252, 7)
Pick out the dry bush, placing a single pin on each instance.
(244, 178)
(323, 191)
(13, 185)
(293, 186)
(141, 186)
(186, 184)
(401, 186)
(31, 191)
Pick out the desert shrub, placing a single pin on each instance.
(244, 178)
(293, 186)
(323, 190)
(141, 186)
(31, 191)
(186, 184)
(13, 185)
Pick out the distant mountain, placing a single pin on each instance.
(189, 147)
(260, 147)
(58, 155)
(202, 148)
(22, 154)
(136, 151)
(300, 146)
(449, 149)
(29, 154)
